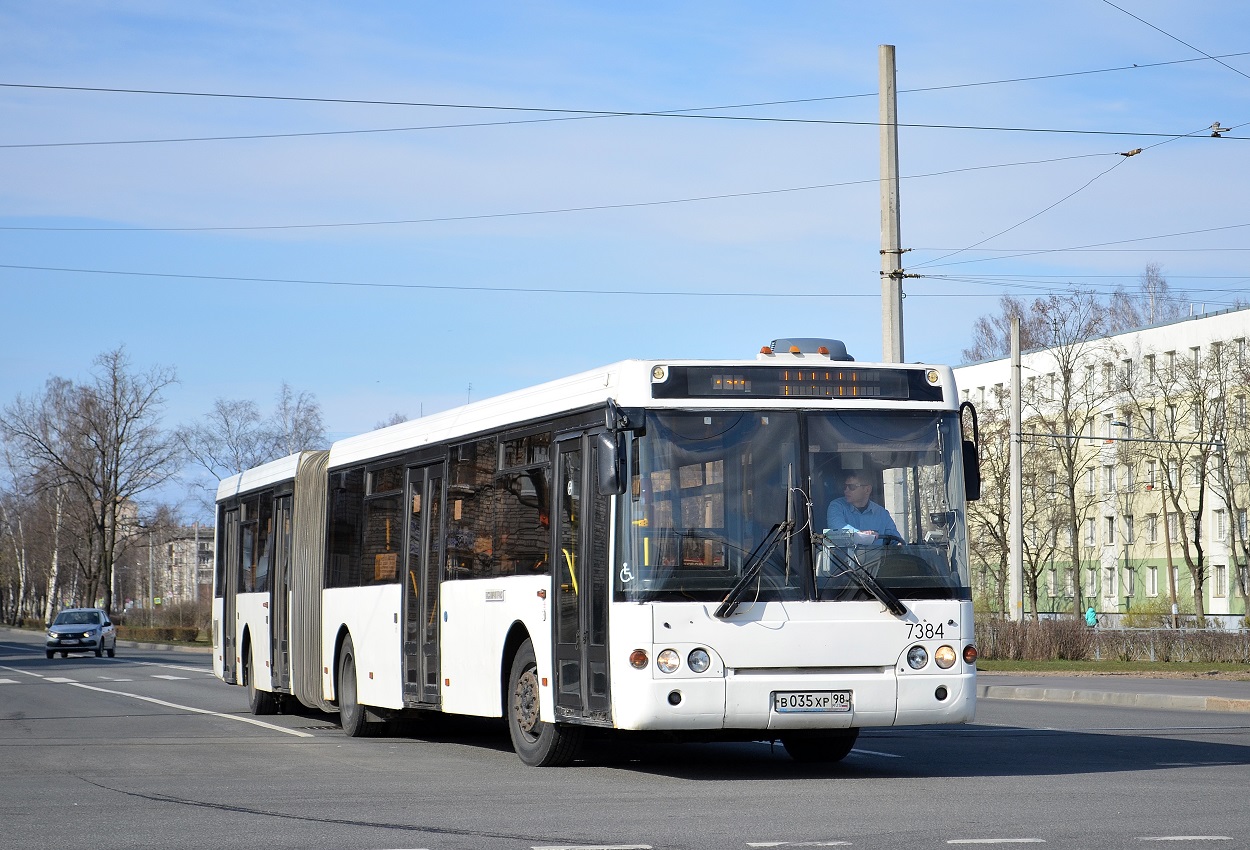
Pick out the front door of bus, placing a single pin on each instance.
(580, 583)
(424, 555)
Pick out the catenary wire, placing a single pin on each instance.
(557, 211)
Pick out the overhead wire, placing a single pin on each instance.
(554, 211)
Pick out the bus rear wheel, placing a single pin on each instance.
(820, 747)
(538, 744)
(352, 715)
(260, 702)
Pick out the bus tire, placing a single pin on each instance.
(820, 747)
(353, 716)
(260, 702)
(537, 743)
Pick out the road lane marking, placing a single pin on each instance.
(1185, 838)
(592, 847)
(59, 680)
(996, 841)
(191, 708)
(798, 844)
(8, 681)
(875, 753)
(167, 676)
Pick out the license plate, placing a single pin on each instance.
(69, 640)
(785, 702)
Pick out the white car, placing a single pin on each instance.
(82, 630)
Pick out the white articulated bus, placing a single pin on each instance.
(642, 547)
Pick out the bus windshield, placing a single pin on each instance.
(880, 492)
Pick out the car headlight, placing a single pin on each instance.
(944, 657)
(698, 660)
(53, 636)
(917, 657)
(668, 661)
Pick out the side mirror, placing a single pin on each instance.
(972, 472)
(608, 454)
(971, 453)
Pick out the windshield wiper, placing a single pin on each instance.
(851, 566)
(752, 567)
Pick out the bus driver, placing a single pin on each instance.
(856, 511)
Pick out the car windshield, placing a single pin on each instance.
(77, 618)
(718, 495)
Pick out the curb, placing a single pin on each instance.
(1120, 699)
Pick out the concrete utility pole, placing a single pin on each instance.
(891, 241)
(1016, 496)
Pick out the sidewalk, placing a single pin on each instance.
(1126, 691)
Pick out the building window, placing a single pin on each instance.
(1130, 581)
(1240, 469)
(1219, 581)
(1052, 588)
(1221, 525)
(1108, 478)
(1151, 372)
(1152, 581)
(1195, 472)
(1241, 523)
(1067, 581)
(1151, 475)
(1152, 528)
(1089, 532)
(1089, 481)
(1109, 524)
(1108, 582)
(1174, 474)
(1173, 529)
(1091, 582)
(1128, 529)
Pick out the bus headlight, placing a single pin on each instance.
(944, 657)
(698, 660)
(668, 661)
(917, 657)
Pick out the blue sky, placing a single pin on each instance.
(378, 319)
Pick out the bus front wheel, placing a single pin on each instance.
(539, 744)
(816, 747)
(352, 714)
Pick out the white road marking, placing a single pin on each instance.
(191, 708)
(60, 680)
(798, 844)
(1185, 838)
(996, 841)
(167, 676)
(8, 681)
(875, 753)
(592, 847)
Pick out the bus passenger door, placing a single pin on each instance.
(230, 580)
(424, 555)
(580, 584)
(280, 595)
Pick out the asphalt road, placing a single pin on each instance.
(149, 750)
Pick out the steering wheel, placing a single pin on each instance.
(891, 540)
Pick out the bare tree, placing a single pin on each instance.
(101, 441)
(1153, 302)
(233, 436)
(296, 423)
(1064, 409)
(1180, 405)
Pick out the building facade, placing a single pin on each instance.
(1134, 472)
